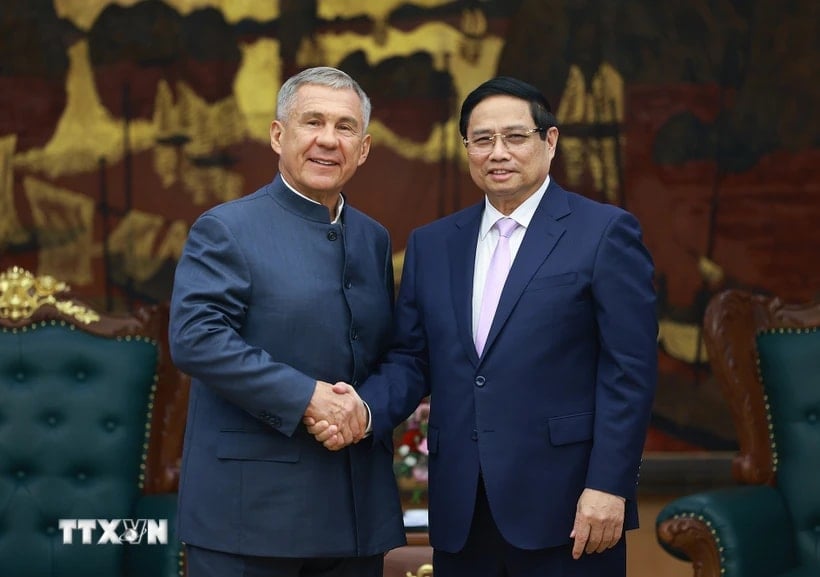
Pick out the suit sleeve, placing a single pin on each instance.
(399, 384)
(626, 316)
(212, 289)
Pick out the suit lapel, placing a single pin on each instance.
(540, 239)
(461, 247)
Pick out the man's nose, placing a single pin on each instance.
(327, 136)
(500, 147)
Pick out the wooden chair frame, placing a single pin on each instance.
(732, 322)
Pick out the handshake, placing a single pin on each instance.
(336, 416)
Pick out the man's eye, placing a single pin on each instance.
(515, 138)
(313, 122)
(483, 141)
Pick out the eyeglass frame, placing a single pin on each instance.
(492, 138)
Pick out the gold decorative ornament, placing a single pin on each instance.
(22, 294)
(425, 570)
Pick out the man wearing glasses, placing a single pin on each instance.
(530, 320)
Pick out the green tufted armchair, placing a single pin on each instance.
(766, 355)
(91, 421)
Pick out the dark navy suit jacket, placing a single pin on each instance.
(560, 399)
(268, 298)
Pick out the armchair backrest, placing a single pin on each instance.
(766, 355)
(91, 415)
(789, 361)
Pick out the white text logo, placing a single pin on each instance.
(115, 531)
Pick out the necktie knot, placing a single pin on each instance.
(505, 226)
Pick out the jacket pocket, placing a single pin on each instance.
(571, 428)
(245, 446)
(543, 282)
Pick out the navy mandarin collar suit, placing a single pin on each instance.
(269, 297)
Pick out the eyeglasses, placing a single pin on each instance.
(512, 141)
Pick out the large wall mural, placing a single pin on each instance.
(122, 120)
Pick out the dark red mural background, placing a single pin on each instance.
(120, 123)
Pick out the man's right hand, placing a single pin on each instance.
(336, 414)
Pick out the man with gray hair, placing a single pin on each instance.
(276, 296)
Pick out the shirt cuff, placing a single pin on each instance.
(369, 428)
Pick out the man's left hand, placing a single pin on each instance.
(599, 522)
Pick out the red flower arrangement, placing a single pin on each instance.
(411, 449)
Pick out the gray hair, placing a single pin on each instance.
(322, 76)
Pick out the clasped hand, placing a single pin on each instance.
(336, 415)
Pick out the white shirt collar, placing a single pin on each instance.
(339, 205)
(522, 215)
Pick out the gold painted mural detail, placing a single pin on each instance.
(209, 126)
(602, 102)
(682, 341)
(191, 133)
(22, 294)
(379, 11)
(171, 246)
(711, 271)
(213, 185)
(83, 13)
(64, 227)
(134, 240)
(444, 43)
(256, 85)
(474, 27)
(332, 9)
(11, 232)
(86, 131)
(189, 138)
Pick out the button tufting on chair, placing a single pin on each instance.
(91, 423)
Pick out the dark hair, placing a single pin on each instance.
(505, 85)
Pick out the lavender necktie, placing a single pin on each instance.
(496, 277)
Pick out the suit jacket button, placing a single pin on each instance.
(479, 381)
(331, 235)
(474, 436)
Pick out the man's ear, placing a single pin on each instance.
(276, 136)
(552, 137)
(365, 149)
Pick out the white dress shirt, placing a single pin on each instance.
(339, 206)
(488, 238)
